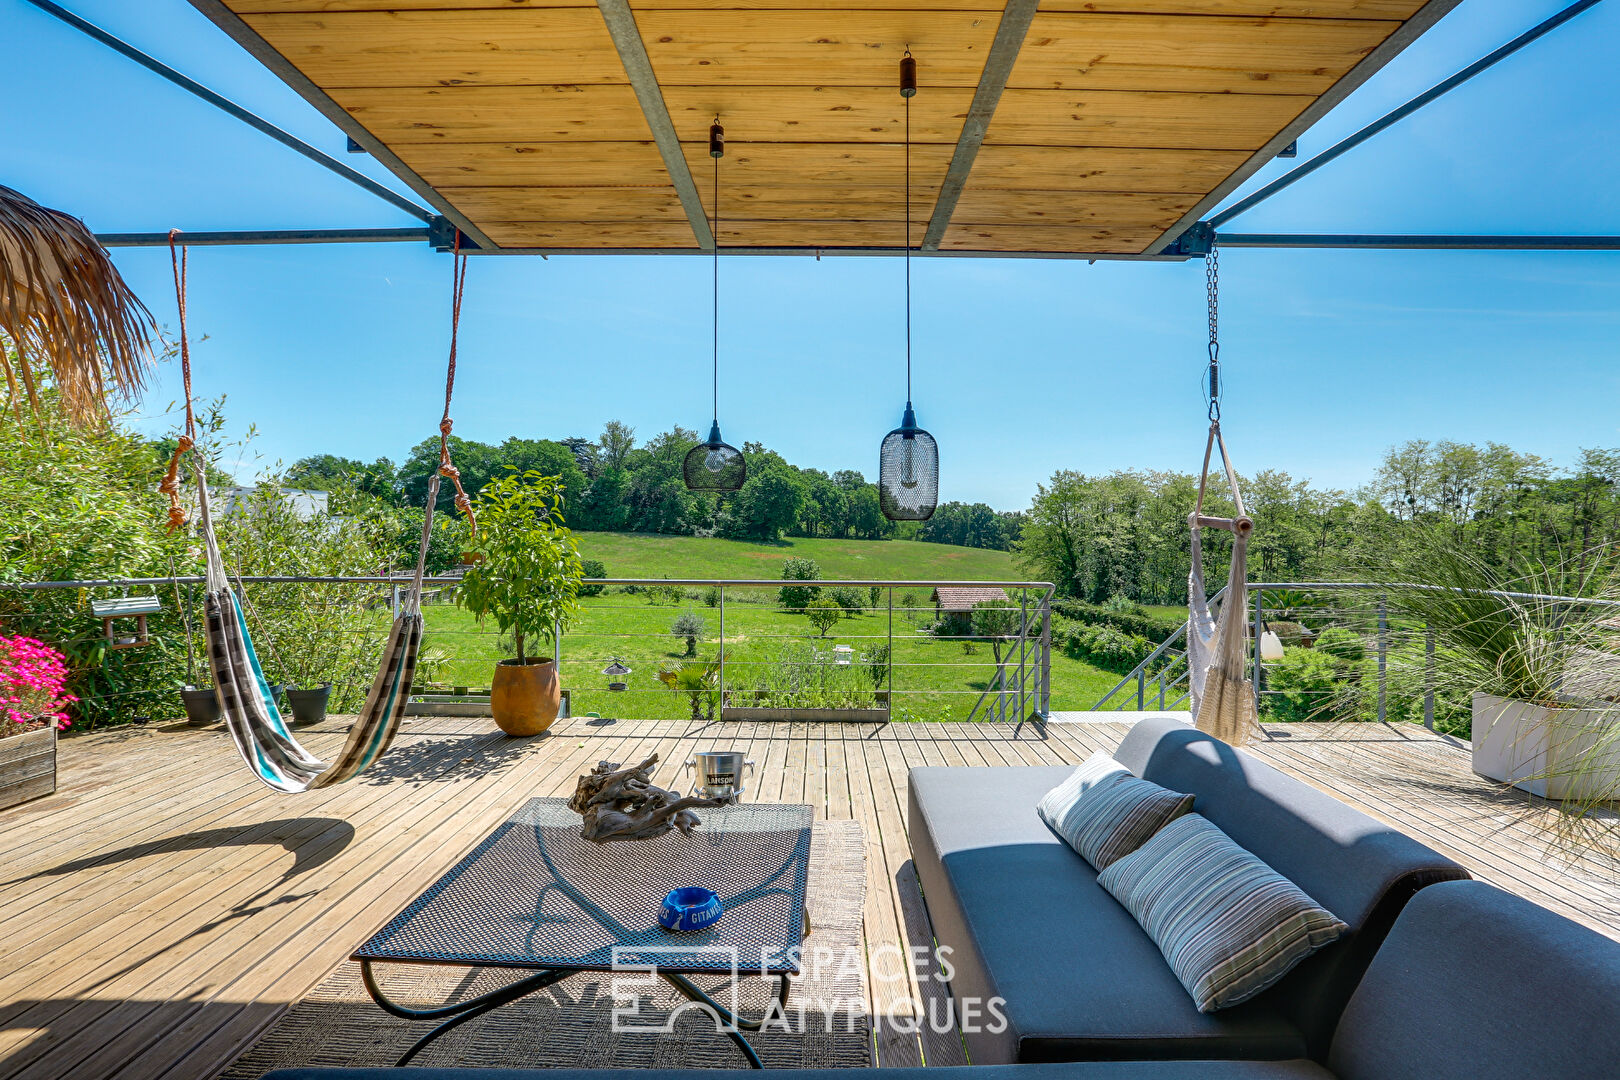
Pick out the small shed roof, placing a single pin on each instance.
(963, 597)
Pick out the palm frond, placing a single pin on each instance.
(63, 304)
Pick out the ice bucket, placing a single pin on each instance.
(718, 773)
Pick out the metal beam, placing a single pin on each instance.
(1396, 115)
(998, 67)
(245, 36)
(1414, 27)
(621, 23)
(1412, 242)
(229, 107)
(267, 236)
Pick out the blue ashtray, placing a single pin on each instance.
(691, 908)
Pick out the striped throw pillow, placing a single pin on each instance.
(1229, 925)
(1104, 812)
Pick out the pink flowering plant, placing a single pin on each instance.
(33, 681)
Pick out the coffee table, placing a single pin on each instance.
(535, 896)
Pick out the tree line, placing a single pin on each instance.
(614, 483)
(1124, 533)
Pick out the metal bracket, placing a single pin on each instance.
(1196, 242)
(442, 237)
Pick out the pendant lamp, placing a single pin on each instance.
(714, 465)
(908, 460)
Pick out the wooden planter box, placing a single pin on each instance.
(27, 766)
(869, 716)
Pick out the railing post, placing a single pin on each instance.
(1023, 650)
(1141, 689)
(1383, 657)
(393, 602)
(1259, 628)
(1428, 678)
(890, 665)
(1046, 657)
(722, 650)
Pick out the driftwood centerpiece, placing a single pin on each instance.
(623, 804)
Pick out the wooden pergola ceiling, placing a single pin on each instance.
(1087, 127)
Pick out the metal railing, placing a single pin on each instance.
(1160, 680)
(890, 654)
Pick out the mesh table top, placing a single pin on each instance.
(535, 894)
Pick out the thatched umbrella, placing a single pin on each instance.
(64, 304)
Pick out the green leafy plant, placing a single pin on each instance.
(699, 681)
(848, 598)
(996, 621)
(1304, 685)
(688, 625)
(527, 579)
(823, 614)
(794, 597)
(711, 596)
(593, 568)
(876, 660)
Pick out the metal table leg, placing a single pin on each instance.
(459, 1012)
(734, 1024)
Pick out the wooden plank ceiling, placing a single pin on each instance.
(1118, 117)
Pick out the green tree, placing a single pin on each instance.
(996, 621)
(794, 597)
(688, 625)
(767, 505)
(823, 614)
(593, 568)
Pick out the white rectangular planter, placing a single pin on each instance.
(1535, 748)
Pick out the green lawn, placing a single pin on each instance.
(656, 555)
(934, 679)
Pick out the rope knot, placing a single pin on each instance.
(445, 426)
(453, 474)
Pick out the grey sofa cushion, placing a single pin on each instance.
(1123, 1070)
(1359, 869)
(1476, 984)
(1027, 921)
(1105, 813)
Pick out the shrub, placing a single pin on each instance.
(1344, 645)
(1289, 633)
(849, 598)
(874, 596)
(876, 660)
(688, 625)
(663, 594)
(711, 596)
(795, 597)
(1304, 685)
(1151, 627)
(823, 614)
(33, 681)
(1120, 604)
(593, 568)
(1106, 647)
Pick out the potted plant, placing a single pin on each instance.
(308, 703)
(33, 704)
(1538, 672)
(527, 580)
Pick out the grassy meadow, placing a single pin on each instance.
(933, 678)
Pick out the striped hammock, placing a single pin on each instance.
(256, 725)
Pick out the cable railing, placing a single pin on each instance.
(1362, 685)
(844, 649)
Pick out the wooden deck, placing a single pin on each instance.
(163, 908)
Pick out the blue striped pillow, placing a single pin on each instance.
(1104, 812)
(1229, 925)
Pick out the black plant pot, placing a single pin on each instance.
(202, 705)
(308, 706)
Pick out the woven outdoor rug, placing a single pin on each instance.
(571, 1024)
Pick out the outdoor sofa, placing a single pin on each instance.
(1471, 984)
(1027, 922)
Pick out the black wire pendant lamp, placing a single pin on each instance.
(908, 460)
(714, 464)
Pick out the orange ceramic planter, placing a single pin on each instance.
(525, 699)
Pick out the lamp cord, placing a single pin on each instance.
(908, 248)
(715, 229)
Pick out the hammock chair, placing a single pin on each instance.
(249, 710)
(1220, 692)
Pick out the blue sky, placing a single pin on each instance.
(1022, 366)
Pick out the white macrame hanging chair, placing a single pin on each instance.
(1220, 691)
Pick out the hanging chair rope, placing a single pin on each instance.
(446, 468)
(246, 704)
(1221, 695)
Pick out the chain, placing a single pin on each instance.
(1212, 285)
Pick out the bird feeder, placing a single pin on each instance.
(616, 673)
(126, 607)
